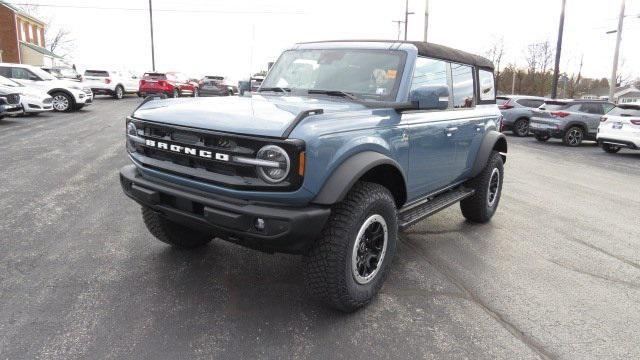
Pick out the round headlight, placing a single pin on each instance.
(279, 157)
(131, 129)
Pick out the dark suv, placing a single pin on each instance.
(573, 122)
(344, 144)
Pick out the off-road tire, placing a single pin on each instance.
(328, 272)
(117, 95)
(172, 233)
(611, 149)
(521, 127)
(567, 138)
(477, 207)
(542, 138)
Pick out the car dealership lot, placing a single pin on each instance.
(556, 274)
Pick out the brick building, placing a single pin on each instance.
(22, 38)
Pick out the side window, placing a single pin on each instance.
(431, 73)
(530, 103)
(592, 108)
(487, 86)
(574, 107)
(462, 77)
(5, 71)
(607, 107)
(21, 73)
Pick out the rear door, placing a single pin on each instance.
(591, 112)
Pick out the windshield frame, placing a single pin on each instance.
(365, 97)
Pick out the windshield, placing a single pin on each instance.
(625, 111)
(367, 74)
(8, 82)
(42, 74)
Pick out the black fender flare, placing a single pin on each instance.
(492, 140)
(343, 178)
(67, 92)
(579, 124)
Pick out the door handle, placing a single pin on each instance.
(451, 130)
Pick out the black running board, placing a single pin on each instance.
(413, 213)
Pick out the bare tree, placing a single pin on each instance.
(539, 57)
(495, 53)
(58, 39)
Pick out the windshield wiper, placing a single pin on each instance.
(340, 93)
(275, 89)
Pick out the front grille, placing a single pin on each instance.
(220, 172)
(12, 99)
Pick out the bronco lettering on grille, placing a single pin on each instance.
(186, 150)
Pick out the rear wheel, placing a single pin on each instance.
(347, 266)
(196, 92)
(573, 136)
(611, 149)
(173, 233)
(542, 137)
(521, 127)
(481, 206)
(176, 93)
(118, 93)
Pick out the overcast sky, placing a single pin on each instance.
(235, 37)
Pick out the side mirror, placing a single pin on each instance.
(430, 97)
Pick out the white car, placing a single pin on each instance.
(33, 101)
(111, 82)
(67, 95)
(620, 128)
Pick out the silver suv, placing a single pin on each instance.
(517, 111)
(574, 122)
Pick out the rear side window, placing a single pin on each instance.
(487, 86)
(572, 107)
(592, 108)
(21, 73)
(552, 105)
(96, 73)
(462, 78)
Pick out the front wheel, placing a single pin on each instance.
(196, 93)
(521, 127)
(62, 102)
(175, 94)
(611, 149)
(173, 233)
(347, 266)
(481, 206)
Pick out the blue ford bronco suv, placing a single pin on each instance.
(344, 144)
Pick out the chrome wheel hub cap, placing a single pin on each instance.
(369, 249)
(60, 103)
(575, 136)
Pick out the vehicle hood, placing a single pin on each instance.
(257, 115)
(24, 90)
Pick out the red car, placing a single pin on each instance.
(172, 84)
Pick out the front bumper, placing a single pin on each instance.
(33, 105)
(83, 97)
(287, 229)
(9, 110)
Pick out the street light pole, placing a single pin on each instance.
(426, 20)
(153, 56)
(614, 71)
(556, 69)
(406, 18)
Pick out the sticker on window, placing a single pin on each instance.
(391, 73)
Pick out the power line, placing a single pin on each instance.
(84, 7)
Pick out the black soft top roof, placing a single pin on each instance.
(434, 51)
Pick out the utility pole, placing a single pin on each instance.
(406, 18)
(614, 71)
(153, 56)
(399, 22)
(426, 20)
(513, 82)
(556, 69)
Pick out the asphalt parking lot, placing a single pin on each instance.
(556, 274)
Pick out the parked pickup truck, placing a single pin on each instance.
(343, 145)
